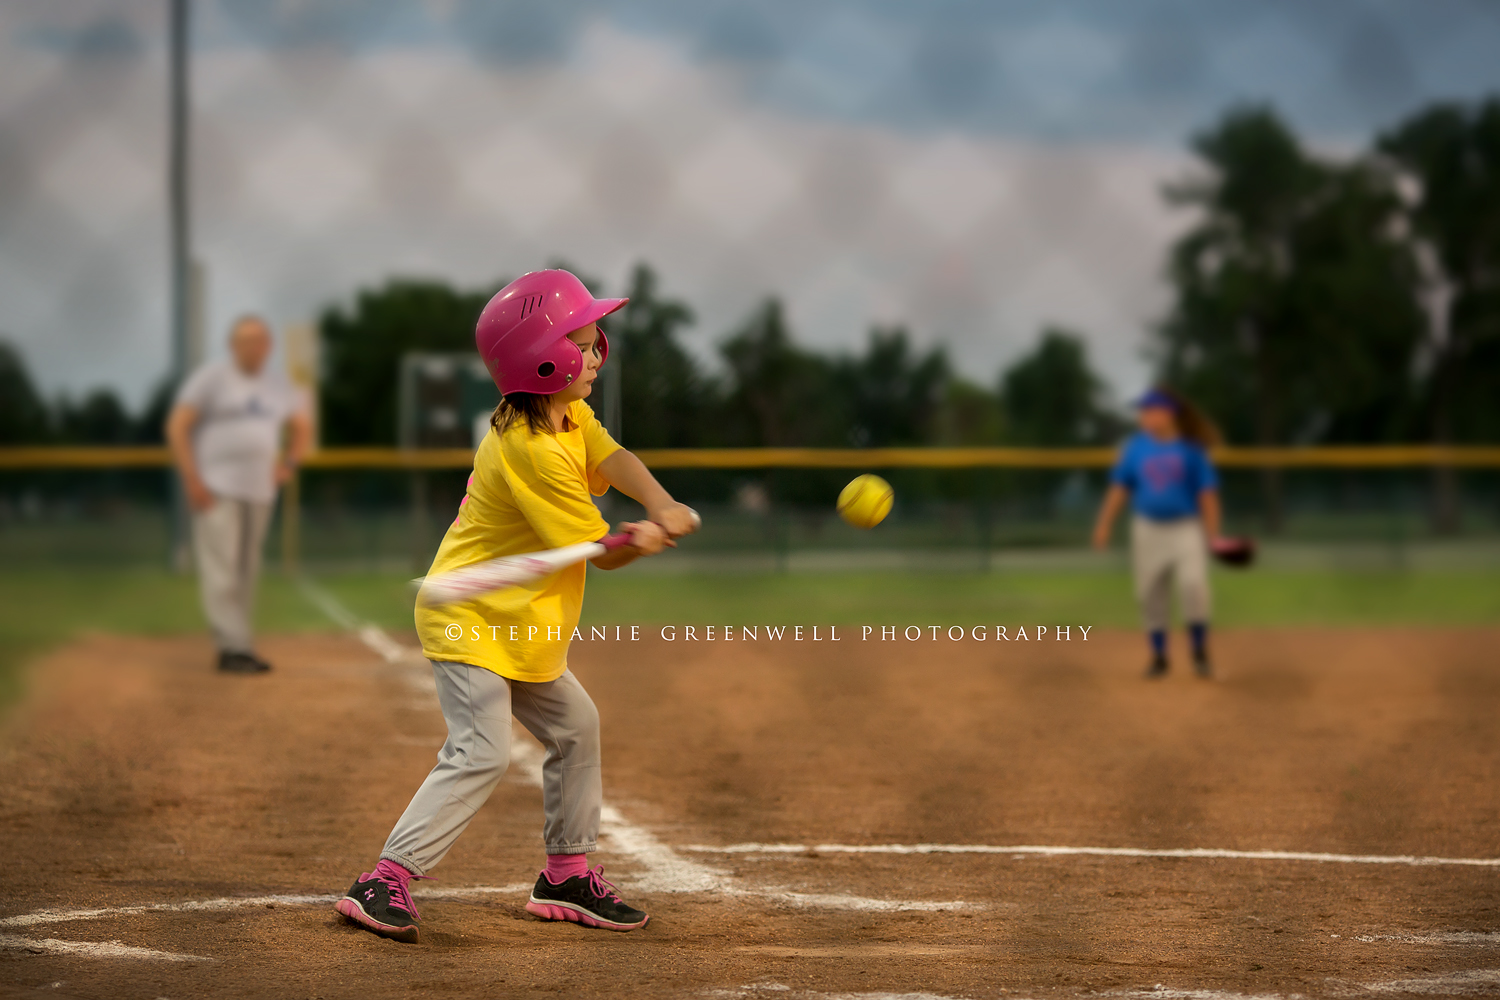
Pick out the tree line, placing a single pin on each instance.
(770, 390)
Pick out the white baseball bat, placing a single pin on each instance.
(512, 571)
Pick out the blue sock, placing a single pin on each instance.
(1199, 632)
(1159, 642)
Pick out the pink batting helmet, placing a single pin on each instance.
(522, 335)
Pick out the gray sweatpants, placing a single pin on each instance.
(478, 705)
(227, 541)
(1160, 551)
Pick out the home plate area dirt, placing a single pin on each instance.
(873, 819)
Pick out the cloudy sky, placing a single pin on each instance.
(972, 170)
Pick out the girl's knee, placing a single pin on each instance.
(579, 743)
(485, 764)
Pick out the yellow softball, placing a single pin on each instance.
(866, 501)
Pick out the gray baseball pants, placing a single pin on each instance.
(227, 541)
(477, 705)
(1161, 551)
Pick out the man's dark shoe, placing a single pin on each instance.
(1157, 668)
(242, 663)
(1201, 665)
(379, 902)
(587, 899)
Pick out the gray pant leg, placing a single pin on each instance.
(227, 541)
(1192, 575)
(476, 705)
(1151, 562)
(562, 716)
(258, 521)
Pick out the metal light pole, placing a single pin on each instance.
(179, 237)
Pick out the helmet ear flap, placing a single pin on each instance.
(601, 344)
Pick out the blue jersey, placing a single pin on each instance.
(1164, 477)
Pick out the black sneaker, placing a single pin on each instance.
(1158, 668)
(1201, 666)
(242, 663)
(587, 899)
(379, 902)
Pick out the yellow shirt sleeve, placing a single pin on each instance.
(597, 443)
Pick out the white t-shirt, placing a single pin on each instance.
(238, 434)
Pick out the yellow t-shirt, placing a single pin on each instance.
(529, 491)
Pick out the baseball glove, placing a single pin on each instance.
(1238, 552)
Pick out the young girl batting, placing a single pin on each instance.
(533, 476)
(1164, 473)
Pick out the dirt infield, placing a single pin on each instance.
(162, 797)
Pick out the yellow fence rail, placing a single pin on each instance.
(1350, 457)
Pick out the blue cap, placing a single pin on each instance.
(1156, 398)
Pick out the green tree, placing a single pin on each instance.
(969, 416)
(1451, 154)
(666, 401)
(362, 348)
(1295, 316)
(151, 426)
(1051, 396)
(778, 393)
(1228, 340)
(1352, 294)
(894, 395)
(23, 414)
(99, 418)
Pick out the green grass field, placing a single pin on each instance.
(45, 609)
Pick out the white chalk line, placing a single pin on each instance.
(1467, 939)
(1160, 992)
(782, 990)
(45, 917)
(373, 636)
(1108, 852)
(667, 871)
(91, 949)
(1445, 984)
(42, 918)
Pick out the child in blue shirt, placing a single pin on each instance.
(1164, 473)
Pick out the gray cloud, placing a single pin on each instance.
(108, 36)
(1165, 56)
(518, 31)
(740, 31)
(1376, 68)
(953, 69)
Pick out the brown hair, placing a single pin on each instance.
(1192, 422)
(533, 407)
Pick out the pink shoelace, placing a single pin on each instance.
(602, 887)
(396, 878)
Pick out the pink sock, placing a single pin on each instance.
(389, 869)
(561, 867)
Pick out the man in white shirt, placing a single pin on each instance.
(236, 434)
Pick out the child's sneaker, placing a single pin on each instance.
(380, 902)
(587, 899)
